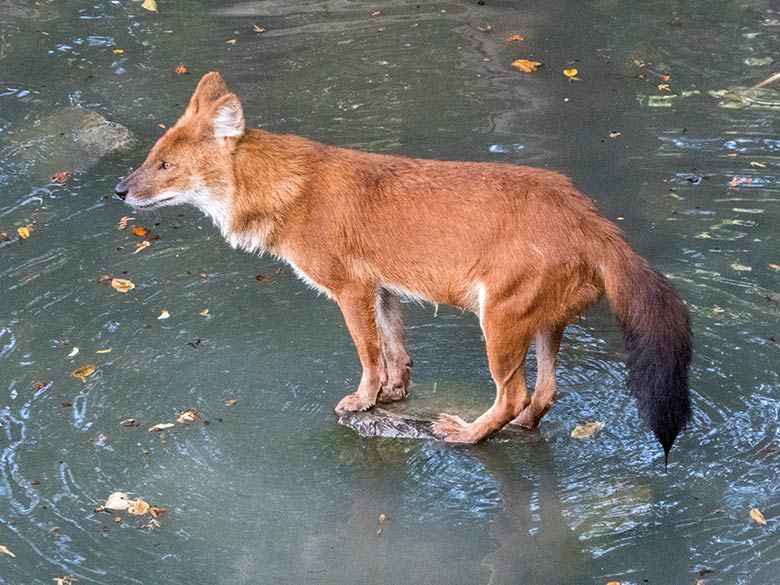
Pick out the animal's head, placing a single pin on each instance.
(192, 162)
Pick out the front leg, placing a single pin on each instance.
(357, 306)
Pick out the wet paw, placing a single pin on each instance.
(353, 403)
(392, 392)
(454, 429)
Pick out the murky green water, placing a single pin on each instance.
(272, 490)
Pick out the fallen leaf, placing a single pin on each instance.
(66, 580)
(570, 73)
(188, 416)
(60, 177)
(614, 583)
(117, 501)
(123, 222)
(204, 313)
(153, 523)
(104, 350)
(717, 309)
(5, 551)
(732, 154)
(257, 28)
(382, 517)
(23, 232)
(161, 427)
(756, 515)
(117, 519)
(263, 278)
(67, 404)
(230, 401)
(587, 430)
(164, 315)
(140, 231)
(129, 422)
(757, 165)
(515, 38)
(379, 531)
(118, 51)
(141, 246)
(774, 266)
(231, 42)
(741, 267)
(157, 511)
(740, 181)
(122, 284)
(138, 508)
(664, 87)
(614, 134)
(84, 372)
(161, 126)
(150, 5)
(376, 12)
(526, 65)
(74, 352)
(667, 76)
(181, 70)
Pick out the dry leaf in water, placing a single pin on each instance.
(774, 266)
(84, 372)
(129, 422)
(257, 28)
(140, 231)
(122, 284)
(614, 134)
(188, 416)
(66, 580)
(741, 267)
(181, 70)
(757, 165)
(5, 551)
(104, 350)
(164, 315)
(756, 515)
(161, 427)
(515, 38)
(230, 401)
(526, 65)
(73, 352)
(204, 313)
(150, 5)
(570, 73)
(60, 177)
(123, 222)
(24, 232)
(138, 507)
(587, 430)
(231, 42)
(141, 246)
(117, 501)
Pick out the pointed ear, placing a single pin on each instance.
(210, 89)
(228, 117)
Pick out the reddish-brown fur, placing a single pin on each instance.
(521, 247)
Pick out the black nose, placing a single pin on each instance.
(120, 194)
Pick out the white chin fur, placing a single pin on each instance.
(215, 207)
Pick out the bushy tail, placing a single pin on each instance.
(657, 332)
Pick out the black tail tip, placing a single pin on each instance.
(666, 442)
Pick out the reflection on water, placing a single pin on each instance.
(269, 488)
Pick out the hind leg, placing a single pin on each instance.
(508, 333)
(398, 364)
(548, 342)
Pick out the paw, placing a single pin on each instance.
(454, 429)
(392, 392)
(353, 403)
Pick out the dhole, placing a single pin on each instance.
(520, 247)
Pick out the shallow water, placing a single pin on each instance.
(272, 490)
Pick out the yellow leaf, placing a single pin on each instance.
(587, 430)
(757, 165)
(526, 65)
(4, 550)
(150, 5)
(140, 231)
(84, 372)
(741, 267)
(164, 315)
(204, 313)
(231, 42)
(122, 284)
(570, 72)
(118, 51)
(23, 232)
(104, 350)
(515, 38)
(756, 515)
(138, 508)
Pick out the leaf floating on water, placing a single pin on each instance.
(614, 134)
(164, 315)
(24, 232)
(740, 267)
(5, 551)
(515, 39)
(129, 422)
(231, 42)
(117, 501)
(141, 246)
(717, 309)
(587, 430)
(526, 65)
(757, 516)
(66, 580)
(118, 51)
(150, 5)
(138, 507)
(60, 177)
(736, 181)
(230, 401)
(757, 165)
(263, 278)
(140, 231)
(257, 28)
(104, 350)
(382, 517)
(188, 416)
(204, 313)
(123, 285)
(181, 70)
(774, 267)
(84, 372)
(160, 427)
(74, 352)
(123, 222)
(570, 73)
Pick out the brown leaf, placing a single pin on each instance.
(123, 222)
(129, 422)
(60, 177)
(188, 416)
(587, 430)
(204, 313)
(526, 65)
(263, 278)
(515, 38)
(157, 511)
(141, 246)
(774, 266)
(231, 42)
(138, 508)
(123, 285)
(258, 28)
(5, 551)
(181, 70)
(140, 231)
(757, 516)
(161, 427)
(614, 134)
(230, 401)
(84, 372)
(164, 315)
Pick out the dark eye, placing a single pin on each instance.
(165, 165)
